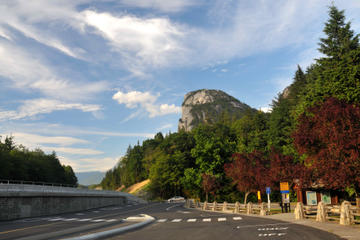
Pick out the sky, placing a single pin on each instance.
(88, 78)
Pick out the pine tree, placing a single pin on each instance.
(340, 38)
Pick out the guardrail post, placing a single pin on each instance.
(214, 206)
(249, 209)
(205, 205)
(346, 216)
(262, 209)
(321, 212)
(299, 211)
(236, 210)
(224, 206)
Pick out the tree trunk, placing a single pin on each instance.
(246, 195)
(207, 196)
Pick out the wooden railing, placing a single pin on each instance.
(237, 207)
(345, 214)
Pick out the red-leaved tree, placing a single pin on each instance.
(248, 171)
(209, 184)
(285, 169)
(329, 135)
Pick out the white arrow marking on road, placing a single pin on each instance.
(237, 218)
(207, 220)
(191, 220)
(221, 219)
(176, 220)
(162, 220)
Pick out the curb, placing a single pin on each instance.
(146, 220)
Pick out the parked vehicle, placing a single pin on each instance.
(176, 199)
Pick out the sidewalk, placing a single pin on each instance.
(347, 232)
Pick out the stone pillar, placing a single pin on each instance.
(249, 208)
(205, 205)
(346, 216)
(321, 212)
(237, 206)
(299, 211)
(187, 203)
(262, 209)
(214, 206)
(224, 206)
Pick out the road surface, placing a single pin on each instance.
(173, 221)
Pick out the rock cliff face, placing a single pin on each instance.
(206, 106)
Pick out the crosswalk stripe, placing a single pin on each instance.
(111, 220)
(237, 218)
(84, 219)
(176, 220)
(162, 220)
(55, 219)
(191, 220)
(70, 219)
(207, 220)
(98, 220)
(221, 219)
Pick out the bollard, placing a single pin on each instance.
(236, 210)
(224, 207)
(299, 211)
(321, 212)
(346, 216)
(249, 208)
(214, 206)
(205, 205)
(262, 209)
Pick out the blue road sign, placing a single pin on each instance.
(268, 191)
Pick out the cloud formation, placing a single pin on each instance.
(145, 101)
(33, 107)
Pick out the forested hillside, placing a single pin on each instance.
(19, 163)
(310, 136)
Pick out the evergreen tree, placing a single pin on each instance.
(340, 38)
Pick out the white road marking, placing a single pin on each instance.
(98, 220)
(191, 220)
(176, 220)
(162, 220)
(237, 218)
(221, 219)
(281, 234)
(207, 220)
(111, 220)
(70, 219)
(56, 219)
(85, 219)
(167, 209)
(272, 229)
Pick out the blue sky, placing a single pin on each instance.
(87, 78)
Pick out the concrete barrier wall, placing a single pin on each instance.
(21, 201)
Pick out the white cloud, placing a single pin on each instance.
(146, 101)
(162, 5)
(89, 164)
(166, 126)
(73, 151)
(141, 42)
(265, 109)
(34, 107)
(33, 140)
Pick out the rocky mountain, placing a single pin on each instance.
(207, 105)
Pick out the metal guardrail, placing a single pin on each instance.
(6, 181)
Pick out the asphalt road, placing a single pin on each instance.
(172, 222)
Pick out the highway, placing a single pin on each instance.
(173, 221)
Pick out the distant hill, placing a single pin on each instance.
(89, 178)
(207, 105)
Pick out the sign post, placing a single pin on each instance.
(285, 192)
(268, 191)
